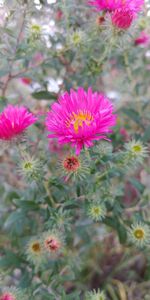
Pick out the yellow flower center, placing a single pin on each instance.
(77, 120)
(36, 247)
(96, 210)
(36, 28)
(76, 38)
(137, 148)
(139, 234)
(28, 166)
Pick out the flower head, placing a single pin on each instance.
(111, 5)
(76, 38)
(139, 234)
(122, 18)
(71, 163)
(95, 295)
(96, 211)
(35, 31)
(73, 166)
(52, 242)
(80, 118)
(136, 150)
(14, 120)
(34, 251)
(30, 167)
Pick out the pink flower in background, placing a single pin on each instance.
(14, 120)
(111, 5)
(122, 18)
(80, 118)
(124, 133)
(59, 15)
(143, 39)
(7, 296)
(26, 80)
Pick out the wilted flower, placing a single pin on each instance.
(139, 234)
(111, 5)
(53, 242)
(80, 118)
(72, 165)
(95, 295)
(143, 39)
(14, 120)
(30, 167)
(96, 211)
(34, 251)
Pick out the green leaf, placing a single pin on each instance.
(9, 260)
(115, 224)
(137, 184)
(146, 136)
(28, 205)
(16, 221)
(44, 95)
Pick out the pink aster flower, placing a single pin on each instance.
(143, 39)
(7, 296)
(122, 18)
(80, 118)
(14, 120)
(111, 5)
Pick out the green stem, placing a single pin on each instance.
(49, 194)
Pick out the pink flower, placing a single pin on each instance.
(111, 5)
(59, 15)
(122, 18)
(80, 118)
(14, 120)
(7, 296)
(143, 39)
(26, 80)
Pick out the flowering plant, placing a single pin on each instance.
(74, 134)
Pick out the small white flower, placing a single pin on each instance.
(139, 234)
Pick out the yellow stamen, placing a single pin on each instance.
(139, 233)
(78, 119)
